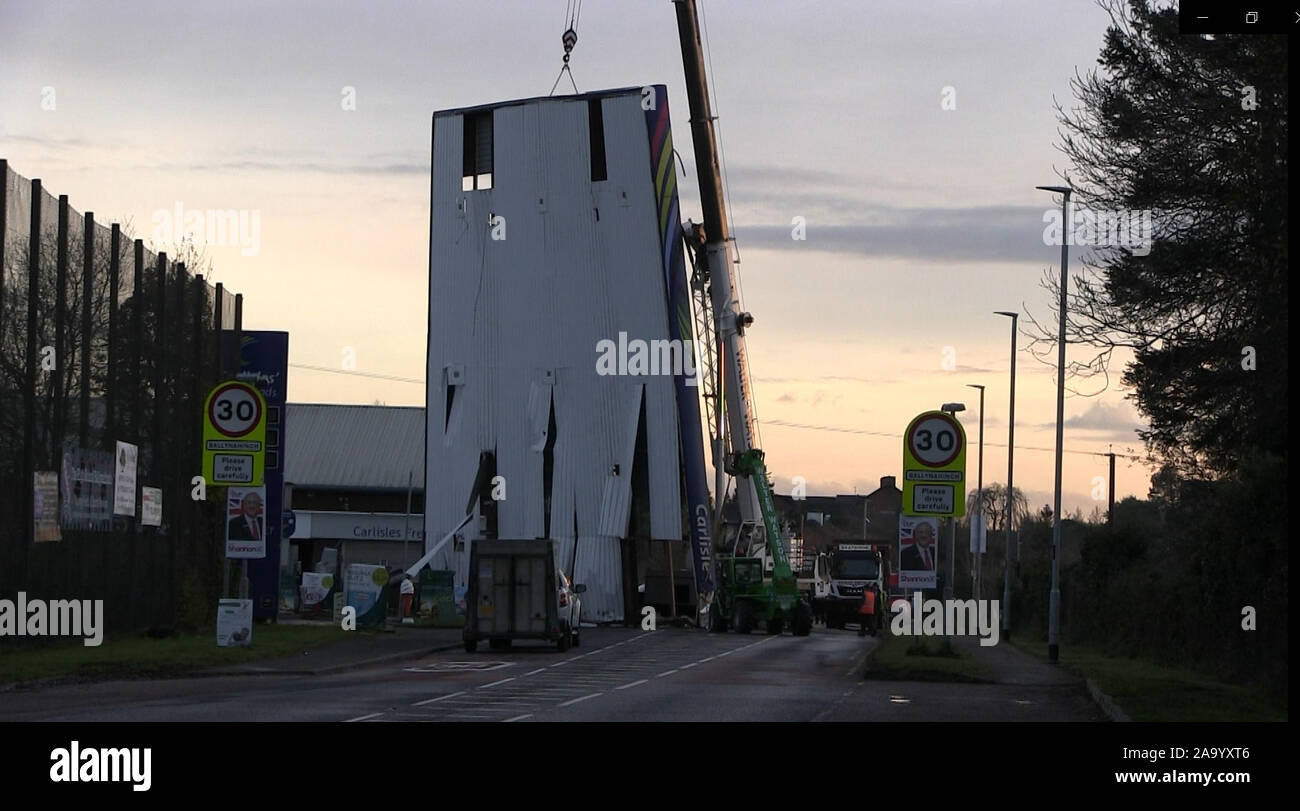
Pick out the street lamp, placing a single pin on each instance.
(1011, 458)
(1054, 602)
(978, 552)
(951, 409)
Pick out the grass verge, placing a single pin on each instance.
(1150, 692)
(142, 656)
(901, 658)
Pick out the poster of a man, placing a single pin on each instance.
(245, 524)
(918, 552)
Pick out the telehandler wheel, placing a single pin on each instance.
(744, 622)
(801, 622)
(717, 622)
(775, 627)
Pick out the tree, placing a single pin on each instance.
(995, 506)
(1193, 130)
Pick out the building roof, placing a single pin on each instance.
(353, 446)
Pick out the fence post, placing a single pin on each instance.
(29, 391)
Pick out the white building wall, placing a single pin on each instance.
(520, 318)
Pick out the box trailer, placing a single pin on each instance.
(513, 593)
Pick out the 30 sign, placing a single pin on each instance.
(934, 466)
(234, 434)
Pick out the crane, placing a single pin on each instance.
(753, 578)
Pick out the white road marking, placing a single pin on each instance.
(584, 698)
(531, 672)
(706, 659)
(364, 717)
(518, 718)
(495, 683)
(439, 698)
(666, 673)
(631, 684)
(692, 664)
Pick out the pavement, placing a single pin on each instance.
(1008, 664)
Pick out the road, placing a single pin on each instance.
(617, 675)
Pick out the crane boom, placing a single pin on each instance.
(728, 319)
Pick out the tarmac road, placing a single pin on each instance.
(618, 674)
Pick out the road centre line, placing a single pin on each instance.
(439, 698)
(583, 698)
(364, 717)
(631, 684)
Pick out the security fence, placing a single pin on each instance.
(103, 342)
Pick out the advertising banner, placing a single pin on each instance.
(86, 483)
(234, 623)
(151, 506)
(124, 479)
(45, 501)
(365, 587)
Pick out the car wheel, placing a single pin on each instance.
(566, 636)
(577, 638)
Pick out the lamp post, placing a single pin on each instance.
(1011, 460)
(951, 409)
(1054, 602)
(977, 553)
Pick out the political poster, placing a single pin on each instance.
(246, 523)
(124, 479)
(45, 503)
(918, 552)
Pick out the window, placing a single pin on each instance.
(596, 134)
(476, 171)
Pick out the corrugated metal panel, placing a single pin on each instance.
(520, 318)
(354, 446)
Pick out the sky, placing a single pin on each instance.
(908, 137)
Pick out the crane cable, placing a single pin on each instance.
(569, 39)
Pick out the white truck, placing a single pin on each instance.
(840, 579)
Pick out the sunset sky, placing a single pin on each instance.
(921, 221)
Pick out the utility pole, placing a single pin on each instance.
(977, 530)
(1011, 492)
(1110, 507)
(1054, 599)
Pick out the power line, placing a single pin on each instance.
(834, 429)
(355, 373)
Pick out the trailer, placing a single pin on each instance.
(515, 593)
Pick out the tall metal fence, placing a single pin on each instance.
(102, 341)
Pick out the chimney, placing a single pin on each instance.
(887, 483)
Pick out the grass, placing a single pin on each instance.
(1151, 692)
(142, 656)
(900, 658)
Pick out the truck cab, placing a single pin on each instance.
(842, 578)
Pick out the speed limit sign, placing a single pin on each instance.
(934, 466)
(234, 434)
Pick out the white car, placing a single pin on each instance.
(570, 608)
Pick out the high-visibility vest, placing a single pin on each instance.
(868, 602)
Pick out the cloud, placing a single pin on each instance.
(971, 234)
(786, 398)
(1117, 421)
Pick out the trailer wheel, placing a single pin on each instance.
(471, 645)
(744, 622)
